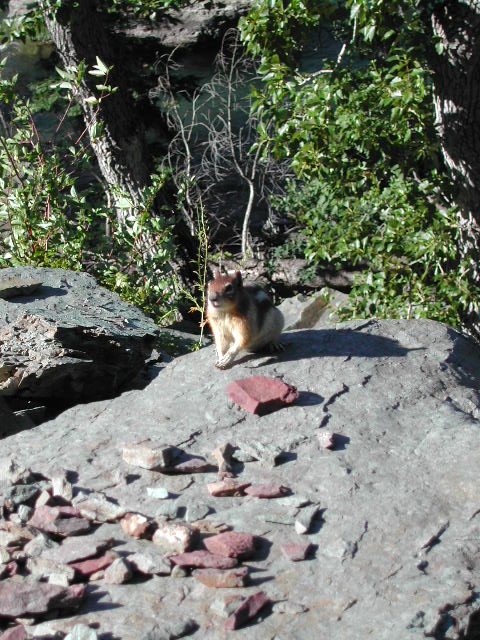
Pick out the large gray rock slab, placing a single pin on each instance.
(193, 24)
(397, 529)
(68, 339)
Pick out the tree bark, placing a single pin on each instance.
(456, 79)
(79, 34)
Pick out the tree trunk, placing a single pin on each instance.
(79, 34)
(456, 79)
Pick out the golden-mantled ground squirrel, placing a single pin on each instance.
(242, 318)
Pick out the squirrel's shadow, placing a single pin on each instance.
(351, 343)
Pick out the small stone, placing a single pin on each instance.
(118, 572)
(294, 500)
(75, 549)
(218, 579)
(15, 633)
(261, 395)
(227, 487)
(174, 538)
(196, 512)
(171, 630)
(98, 508)
(223, 457)
(168, 511)
(179, 572)
(296, 551)
(243, 456)
(203, 560)
(224, 607)
(59, 579)
(38, 545)
(62, 487)
(150, 563)
(135, 525)
(268, 454)
(44, 568)
(266, 491)
(247, 610)
(82, 632)
(148, 455)
(207, 526)
(87, 567)
(24, 512)
(159, 493)
(44, 498)
(191, 464)
(59, 520)
(304, 519)
(231, 544)
(326, 439)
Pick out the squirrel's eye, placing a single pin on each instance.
(228, 288)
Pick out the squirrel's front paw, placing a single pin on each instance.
(223, 363)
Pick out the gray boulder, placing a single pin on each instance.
(393, 509)
(68, 339)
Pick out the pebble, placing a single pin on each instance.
(296, 551)
(222, 579)
(150, 563)
(24, 512)
(98, 508)
(261, 395)
(203, 560)
(175, 538)
(169, 511)
(148, 456)
(82, 632)
(266, 491)
(326, 439)
(62, 487)
(303, 520)
(224, 607)
(247, 610)
(119, 572)
(231, 544)
(227, 487)
(196, 512)
(136, 525)
(159, 493)
(87, 567)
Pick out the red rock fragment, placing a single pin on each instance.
(326, 439)
(231, 544)
(15, 633)
(296, 551)
(218, 579)
(60, 520)
(247, 610)
(261, 395)
(266, 491)
(227, 487)
(88, 567)
(135, 525)
(203, 560)
(192, 464)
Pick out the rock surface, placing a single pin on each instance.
(70, 339)
(197, 22)
(395, 505)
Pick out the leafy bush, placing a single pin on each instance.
(372, 192)
(52, 214)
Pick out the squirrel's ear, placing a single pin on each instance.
(216, 274)
(238, 278)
